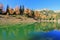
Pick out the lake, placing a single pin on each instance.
(24, 32)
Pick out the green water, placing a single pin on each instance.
(21, 31)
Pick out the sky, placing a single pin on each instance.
(33, 4)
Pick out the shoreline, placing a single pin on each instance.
(18, 19)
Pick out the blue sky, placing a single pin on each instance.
(33, 4)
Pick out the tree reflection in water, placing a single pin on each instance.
(22, 32)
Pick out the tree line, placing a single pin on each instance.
(42, 15)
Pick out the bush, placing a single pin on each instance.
(18, 17)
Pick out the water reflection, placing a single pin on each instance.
(52, 35)
(22, 32)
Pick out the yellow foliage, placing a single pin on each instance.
(26, 11)
(17, 10)
(54, 15)
(43, 16)
(11, 11)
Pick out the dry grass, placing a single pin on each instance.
(5, 19)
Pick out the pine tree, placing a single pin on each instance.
(7, 10)
(32, 13)
(21, 10)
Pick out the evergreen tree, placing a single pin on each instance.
(32, 12)
(21, 10)
(0, 11)
(7, 10)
